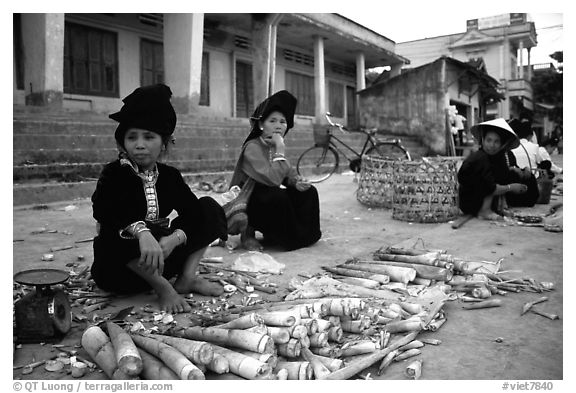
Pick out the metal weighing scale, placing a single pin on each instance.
(44, 314)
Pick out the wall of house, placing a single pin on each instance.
(411, 104)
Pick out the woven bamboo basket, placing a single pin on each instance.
(375, 187)
(425, 191)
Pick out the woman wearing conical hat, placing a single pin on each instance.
(488, 174)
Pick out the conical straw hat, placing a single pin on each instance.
(501, 127)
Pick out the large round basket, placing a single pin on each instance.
(375, 186)
(425, 191)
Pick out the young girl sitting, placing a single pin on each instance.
(136, 248)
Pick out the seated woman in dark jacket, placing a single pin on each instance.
(282, 206)
(137, 247)
(487, 174)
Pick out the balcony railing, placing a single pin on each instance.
(520, 88)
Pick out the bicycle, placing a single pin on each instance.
(320, 161)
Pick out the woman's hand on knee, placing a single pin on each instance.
(518, 188)
(151, 254)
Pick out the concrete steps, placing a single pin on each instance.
(59, 155)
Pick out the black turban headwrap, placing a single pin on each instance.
(148, 108)
(283, 102)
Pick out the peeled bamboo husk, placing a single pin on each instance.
(154, 369)
(291, 349)
(242, 322)
(386, 361)
(423, 271)
(127, 355)
(268, 358)
(327, 351)
(384, 320)
(407, 354)
(198, 352)
(422, 281)
(404, 326)
(281, 374)
(298, 331)
(399, 274)
(411, 345)
(173, 358)
(280, 335)
(388, 313)
(430, 259)
(323, 325)
(297, 370)
(243, 365)
(219, 364)
(362, 282)
(230, 337)
(336, 334)
(100, 349)
(361, 347)
(381, 278)
(304, 342)
(431, 341)
(414, 369)
(318, 339)
(436, 324)
(351, 326)
(281, 318)
(334, 320)
(311, 325)
(331, 363)
(320, 370)
(412, 308)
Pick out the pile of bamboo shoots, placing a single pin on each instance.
(316, 339)
(369, 311)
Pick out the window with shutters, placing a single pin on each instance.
(244, 89)
(151, 62)
(302, 87)
(90, 61)
(336, 99)
(205, 80)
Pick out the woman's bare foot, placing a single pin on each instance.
(197, 285)
(489, 216)
(170, 301)
(248, 240)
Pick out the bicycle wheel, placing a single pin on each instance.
(389, 151)
(317, 163)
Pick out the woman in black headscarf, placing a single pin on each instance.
(137, 248)
(487, 174)
(287, 216)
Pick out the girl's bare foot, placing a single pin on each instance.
(197, 285)
(171, 302)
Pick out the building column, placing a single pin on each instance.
(360, 71)
(521, 59)
(529, 65)
(396, 69)
(319, 80)
(260, 56)
(504, 110)
(43, 43)
(183, 43)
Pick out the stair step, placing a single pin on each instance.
(34, 193)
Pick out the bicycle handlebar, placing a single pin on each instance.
(370, 131)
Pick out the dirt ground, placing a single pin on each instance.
(529, 347)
